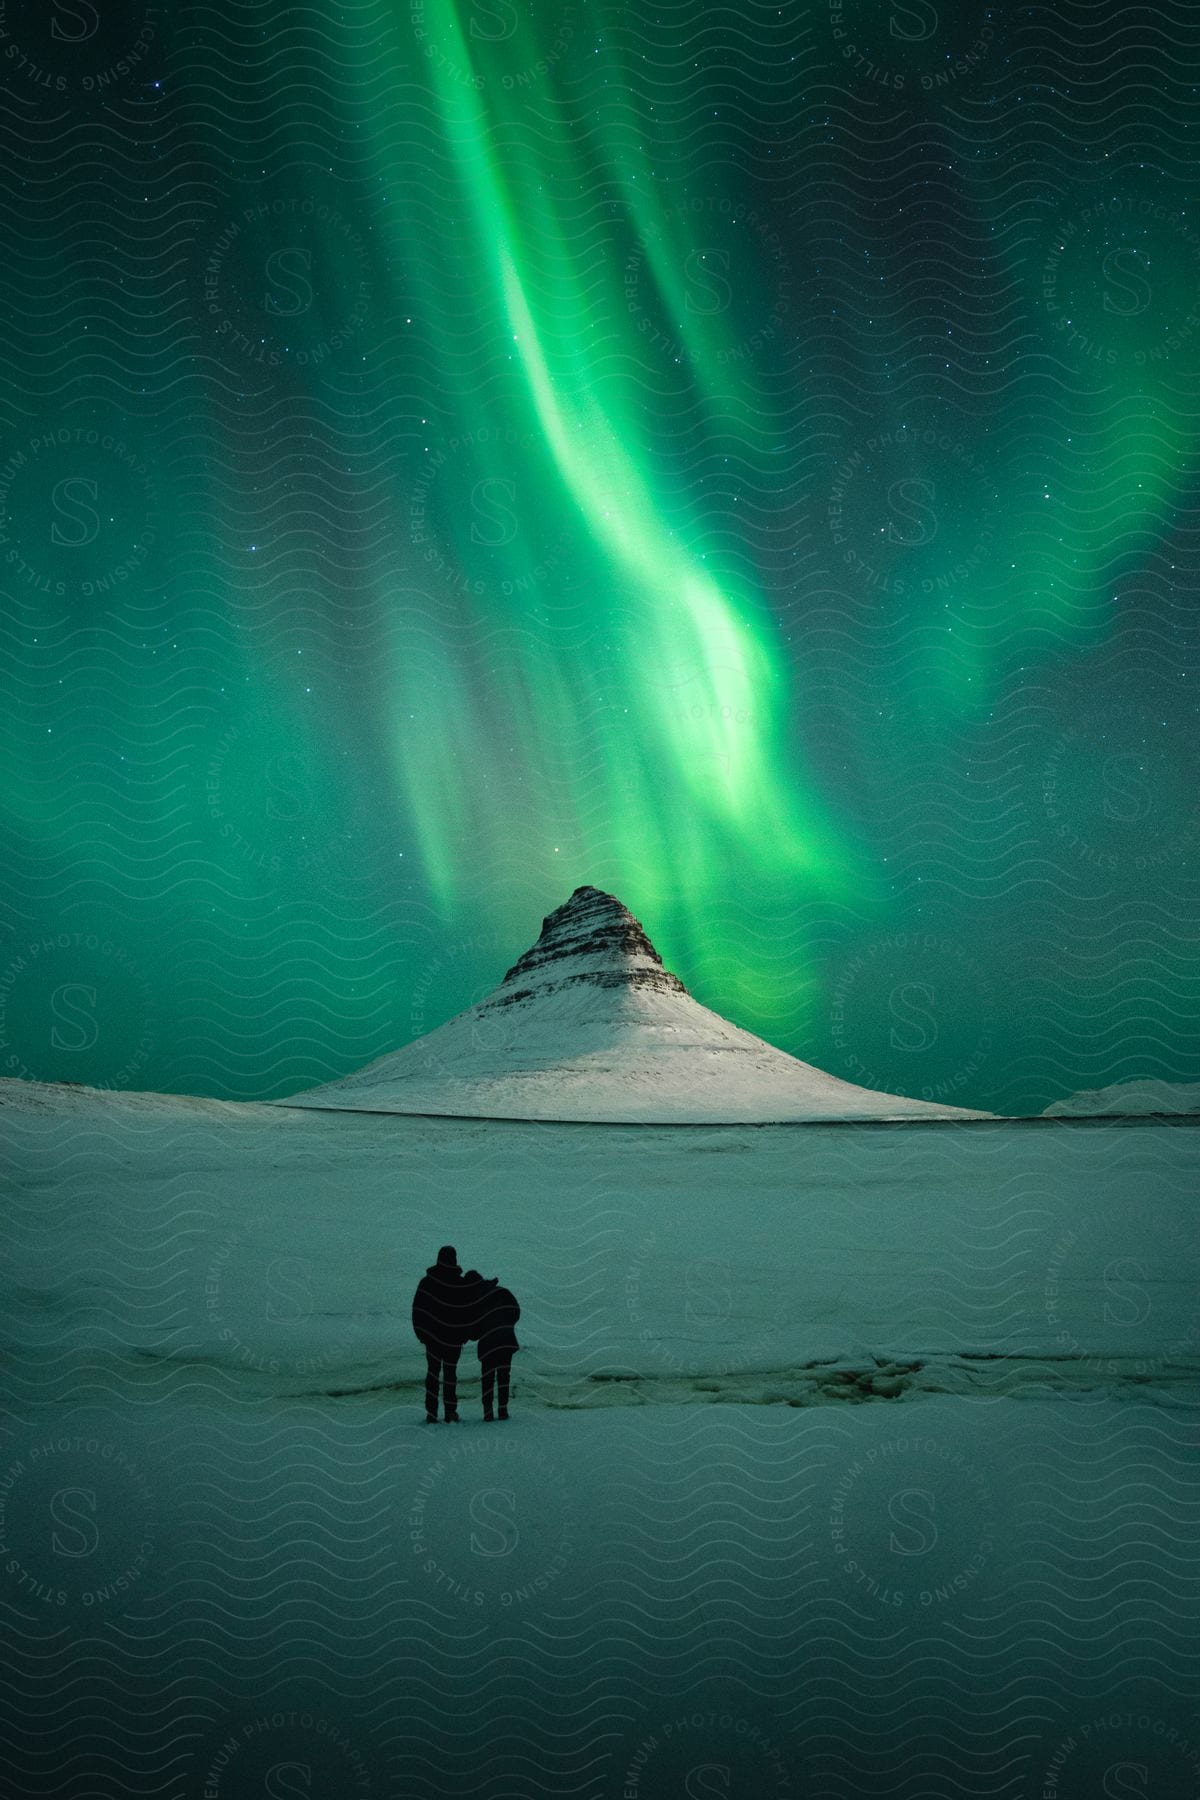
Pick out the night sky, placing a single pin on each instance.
(744, 458)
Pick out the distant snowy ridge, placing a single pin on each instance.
(589, 1026)
(1133, 1097)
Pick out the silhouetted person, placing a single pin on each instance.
(442, 1324)
(494, 1312)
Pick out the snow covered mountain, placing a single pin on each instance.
(1134, 1098)
(588, 1025)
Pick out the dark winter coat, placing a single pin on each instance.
(439, 1312)
(495, 1317)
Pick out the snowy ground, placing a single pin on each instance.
(845, 1460)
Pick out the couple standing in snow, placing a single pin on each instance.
(450, 1308)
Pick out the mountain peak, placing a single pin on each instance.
(589, 1026)
(590, 939)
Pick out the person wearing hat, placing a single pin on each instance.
(494, 1311)
(442, 1325)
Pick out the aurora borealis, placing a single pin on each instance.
(744, 459)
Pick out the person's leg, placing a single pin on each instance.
(431, 1383)
(503, 1372)
(450, 1380)
(487, 1376)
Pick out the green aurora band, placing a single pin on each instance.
(724, 811)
